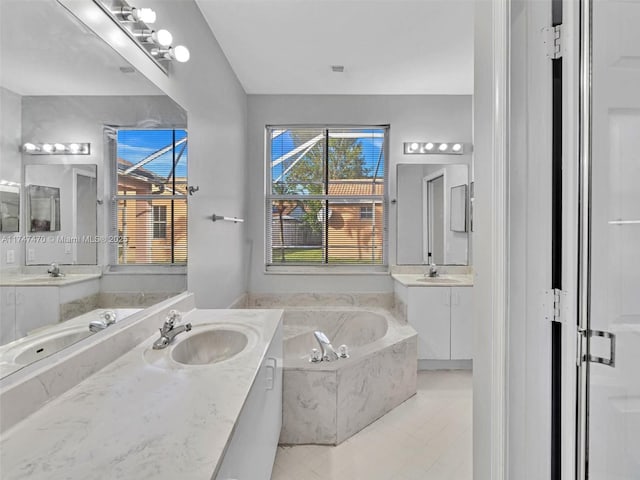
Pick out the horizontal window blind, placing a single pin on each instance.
(149, 215)
(326, 196)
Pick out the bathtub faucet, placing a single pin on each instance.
(108, 317)
(328, 353)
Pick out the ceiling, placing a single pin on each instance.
(386, 46)
(44, 50)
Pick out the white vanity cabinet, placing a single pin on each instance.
(33, 306)
(442, 316)
(252, 448)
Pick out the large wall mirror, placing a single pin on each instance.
(433, 214)
(64, 84)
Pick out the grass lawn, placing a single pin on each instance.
(313, 255)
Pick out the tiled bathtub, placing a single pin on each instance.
(327, 402)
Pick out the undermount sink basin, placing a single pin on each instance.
(438, 280)
(209, 346)
(48, 345)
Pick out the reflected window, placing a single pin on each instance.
(151, 197)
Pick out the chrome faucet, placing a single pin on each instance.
(433, 269)
(169, 331)
(108, 317)
(328, 353)
(54, 270)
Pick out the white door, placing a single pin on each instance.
(611, 396)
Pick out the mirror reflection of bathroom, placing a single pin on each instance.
(55, 207)
(9, 206)
(433, 214)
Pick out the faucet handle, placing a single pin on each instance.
(174, 315)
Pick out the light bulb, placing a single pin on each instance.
(181, 53)
(413, 147)
(162, 37)
(429, 146)
(58, 147)
(47, 147)
(74, 148)
(443, 147)
(29, 147)
(145, 15)
(457, 147)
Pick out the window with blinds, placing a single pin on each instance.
(325, 202)
(150, 197)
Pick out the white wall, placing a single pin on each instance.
(425, 117)
(10, 160)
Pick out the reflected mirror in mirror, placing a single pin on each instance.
(432, 214)
(9, 207)
(44, 208)
(64, 84)
(67, 207)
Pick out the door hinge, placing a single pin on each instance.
(553, 305)
(584, 336)
(553, 41)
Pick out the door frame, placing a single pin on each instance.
(426, 211)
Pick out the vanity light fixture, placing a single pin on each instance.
(56, 148)
(435, 148)
(133, 14)
(156, 43)
(179, 53)
(161, 37)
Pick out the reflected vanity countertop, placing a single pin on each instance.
(444, 280)
(77, 326)
(143, 417)
(45, 280)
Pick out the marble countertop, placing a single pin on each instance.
(45, 280)
(144, 416)
(445, 280)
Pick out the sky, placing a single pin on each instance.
(371, 147)
(135, 145)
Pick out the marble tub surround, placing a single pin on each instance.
(133, 299)
(327, 402)
(137, 419)
(28, 389)
(280, 300)
(442, 280)
(78, 307)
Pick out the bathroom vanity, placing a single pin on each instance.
(440, 309)
(184, 411)
(31, 301)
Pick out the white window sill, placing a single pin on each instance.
(326, 270)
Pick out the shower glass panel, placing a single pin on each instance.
(612, 433)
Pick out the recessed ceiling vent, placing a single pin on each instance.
(337, 68)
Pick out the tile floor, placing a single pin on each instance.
(428, 437)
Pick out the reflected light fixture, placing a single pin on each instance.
(134, 21)
(436, 148)
(56, 148)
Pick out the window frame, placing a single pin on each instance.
(162, 222)
(326, 268)
(111, 138)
